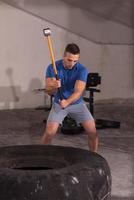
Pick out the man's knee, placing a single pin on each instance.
(51, 129)
(92, 134)
(90, 129)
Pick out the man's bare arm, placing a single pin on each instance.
(78, 91)
(52, 85)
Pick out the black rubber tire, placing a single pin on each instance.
(71, 130)
(38, 172)
(104, 123)
(70, 127)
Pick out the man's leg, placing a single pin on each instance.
(82, 115)
(50, 131)
(55, 117)
(90, 129)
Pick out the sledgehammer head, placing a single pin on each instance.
(47, 32)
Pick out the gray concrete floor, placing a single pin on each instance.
(25, 126)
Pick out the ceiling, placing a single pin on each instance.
(100, 21)
(120, 11)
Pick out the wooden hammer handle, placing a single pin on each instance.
(53, 60)
(52, 55)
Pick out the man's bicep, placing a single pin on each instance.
(80, 86)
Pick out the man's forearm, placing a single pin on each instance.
(51, 90)
(78, 92)
(52, 85)
(74, 97)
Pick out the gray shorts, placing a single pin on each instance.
(79, 112)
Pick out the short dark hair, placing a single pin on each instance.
(72, 48)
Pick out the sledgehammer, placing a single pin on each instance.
(47, 34)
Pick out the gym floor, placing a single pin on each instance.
(116, 145)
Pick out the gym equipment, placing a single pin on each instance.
(94, 80)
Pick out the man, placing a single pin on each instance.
(72, 82)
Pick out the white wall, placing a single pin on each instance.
(117, 69)
(24, 55)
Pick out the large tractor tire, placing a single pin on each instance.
(38, 172)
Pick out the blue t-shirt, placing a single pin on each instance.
(68, 78)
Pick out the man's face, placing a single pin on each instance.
(69, 60)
